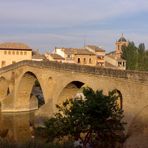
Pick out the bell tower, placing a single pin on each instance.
(121, 42)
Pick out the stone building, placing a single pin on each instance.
(121, 42)
(37, 56)
(11, 53)
(85, 57)
(111, 61)
(77, 55)
(114, 59)
(66, 53)
(100, 54)
(54, 57)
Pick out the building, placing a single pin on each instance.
(119, 44)
(111, 61)
(85, 57)
(100, 54)
(66, 53)
(36, 56)
(11, 53)
(114, 59)
(77, 55)
(54, 57)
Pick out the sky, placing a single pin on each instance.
(46, 24)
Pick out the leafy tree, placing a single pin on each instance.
(130, 54)
(141, 56)
(95, 117)
(142, 47)
(146, 60)
(136, 57)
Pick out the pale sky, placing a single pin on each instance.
(44, 24)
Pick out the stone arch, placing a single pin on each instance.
(25, 100)
(69, 90)
(119, 97)
(4, 86)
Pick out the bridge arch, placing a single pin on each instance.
(69, 90)
(4, 87)
(25, 99)
(119, 96)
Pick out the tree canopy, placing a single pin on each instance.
(136, 57)
(95, 118)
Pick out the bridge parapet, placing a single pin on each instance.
(141, 76)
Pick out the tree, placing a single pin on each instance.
(96, 118)
(136, 57)
(130, 54)
(146, 60)
(141, 56)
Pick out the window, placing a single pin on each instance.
(123, 63)
(68, 56)
(17, 53)
(119, 63)
(9, 52)
(13, 52)
(25, 53)
(21, 53)
(78, 60)
(90, 61)
(84, 60)
(5, 52)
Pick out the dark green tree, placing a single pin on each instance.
(146, 61)
(96, 118)
(136, 57)
(141, 56)
(130, 54)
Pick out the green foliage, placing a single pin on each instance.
(37, 83)
(136, 57)
(96, 118)
(130, 54)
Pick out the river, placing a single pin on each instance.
(18, 125)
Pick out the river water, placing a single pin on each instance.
(18, 125)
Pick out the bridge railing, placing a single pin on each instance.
(126, 74)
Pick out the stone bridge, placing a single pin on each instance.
(59, 81)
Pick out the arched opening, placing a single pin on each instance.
(8, 91)
(70, 90)
(4, 86)
(37, 92)
(119, 98)
(29, 93)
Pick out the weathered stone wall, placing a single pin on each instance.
(135, 75)
(57, 80)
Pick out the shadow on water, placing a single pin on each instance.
(17, 126)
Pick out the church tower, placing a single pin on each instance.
(121, 42)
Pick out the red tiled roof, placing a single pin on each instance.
(13, 45)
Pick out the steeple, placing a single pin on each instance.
(122, 38)
(121, 42)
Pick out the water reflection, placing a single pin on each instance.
(18, 125)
